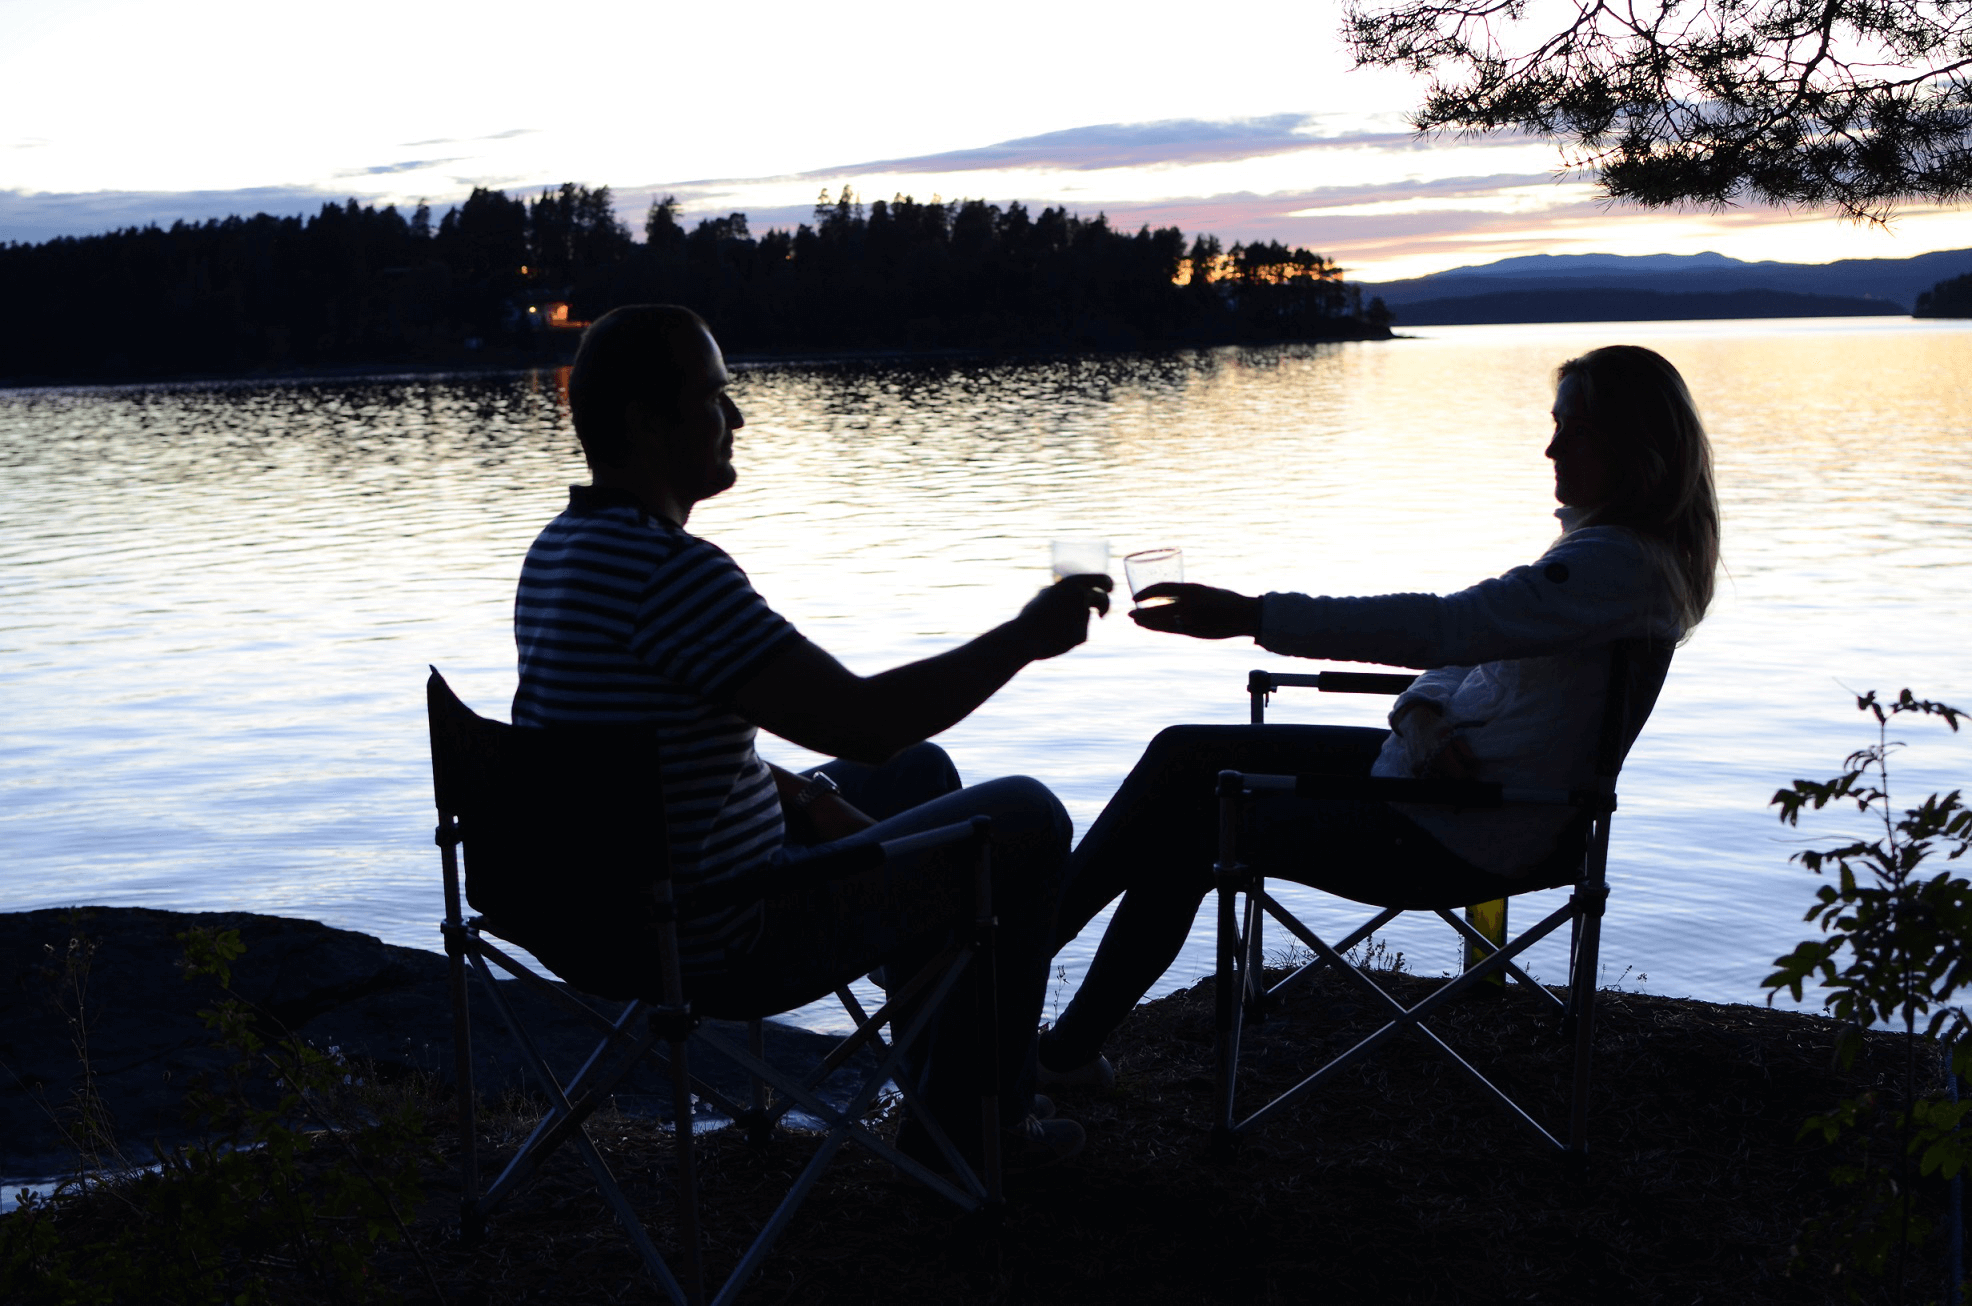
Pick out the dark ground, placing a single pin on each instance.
(1402, 1186)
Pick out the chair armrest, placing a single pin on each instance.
(1439, 793)
(766, 881)
(1329, 682)
(1261, 683)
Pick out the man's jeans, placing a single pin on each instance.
(900, 915)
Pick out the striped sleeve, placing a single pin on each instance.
(701, 624)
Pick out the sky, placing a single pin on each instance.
(115, 113)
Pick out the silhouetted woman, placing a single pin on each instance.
(1516, 674)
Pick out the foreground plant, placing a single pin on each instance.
(300, 1171)
(1895, 950)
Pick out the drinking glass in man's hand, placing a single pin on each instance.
(1080, 558)
(1153, 567)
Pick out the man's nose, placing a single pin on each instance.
(734, 418)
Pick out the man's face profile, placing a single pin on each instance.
(694, 441)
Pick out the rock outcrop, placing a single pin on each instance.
(336, 988)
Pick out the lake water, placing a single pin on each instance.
(217, 602)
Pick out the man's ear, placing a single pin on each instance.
(642, 423)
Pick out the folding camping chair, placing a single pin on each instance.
(565, 853)
(1636, 674)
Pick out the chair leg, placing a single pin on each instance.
(1232, 979)
(457, 940)
(987, 1031)
(1591, 897)
(1252, 964)
(692, 1243)
(1228, 1015)
(758, 1124)
(470, 1225)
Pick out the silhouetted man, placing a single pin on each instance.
(623, 615)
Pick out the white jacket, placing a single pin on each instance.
(1518, 664)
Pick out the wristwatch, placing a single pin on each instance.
(818, 784)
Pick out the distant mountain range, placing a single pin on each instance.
(1646, 287)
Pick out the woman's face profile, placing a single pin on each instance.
(1583, 475)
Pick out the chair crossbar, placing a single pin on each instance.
(1513, 1108)
(565, 1118)
(576, 1007)
(614, 1030)
(854, 1006)
(566, 1122)
(1284, 917)
(1411, 1018)
(868, 1026)
(846, 1123)
(704, 1092)
(947, 968)
(1472, 936)
(528, 976)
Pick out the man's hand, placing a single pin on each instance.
(1198, 610)
(826, 818)
(833, 818)
(1057, 619)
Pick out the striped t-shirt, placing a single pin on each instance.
(621, 616)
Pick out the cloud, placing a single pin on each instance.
(386, 169)
(1139, 145)
(465, 140)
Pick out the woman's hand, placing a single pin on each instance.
(1198, 610)
(1436, 750)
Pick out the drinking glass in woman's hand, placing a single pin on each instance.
(1200, 611)
(1149, 567)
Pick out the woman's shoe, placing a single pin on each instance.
(1093, 1074)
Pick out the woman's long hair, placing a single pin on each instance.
(1662, 463)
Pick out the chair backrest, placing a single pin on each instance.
(564, 836)
(1637, 668)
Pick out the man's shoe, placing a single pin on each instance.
(1043, 1107)
(1037, 1144)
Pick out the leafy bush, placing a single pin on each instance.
(1896, 950)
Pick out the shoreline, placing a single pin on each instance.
(549, 360)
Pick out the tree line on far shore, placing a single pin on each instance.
(506, 279)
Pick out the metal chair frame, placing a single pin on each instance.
(1243, 994)
(665, 1028)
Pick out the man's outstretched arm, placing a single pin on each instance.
(806, 697)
